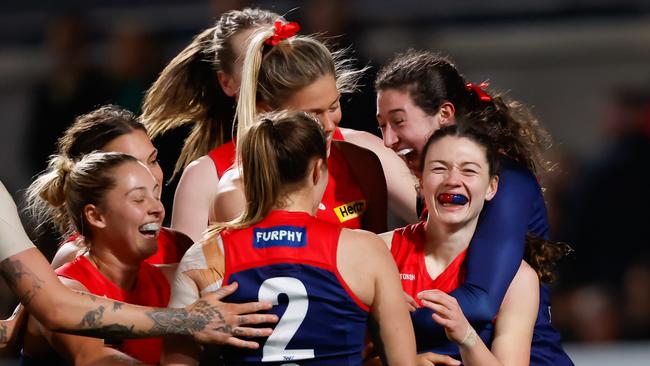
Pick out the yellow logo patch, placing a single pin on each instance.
(350, 210)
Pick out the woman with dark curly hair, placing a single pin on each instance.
(419, 92)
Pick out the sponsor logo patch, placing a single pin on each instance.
(280, 236)
(407, 276)
(350, 210)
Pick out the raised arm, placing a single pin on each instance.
(400, 183)
(497, 247)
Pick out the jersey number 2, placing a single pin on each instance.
(275, 348)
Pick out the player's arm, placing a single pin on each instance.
(378, 287)
(400, 183)
(180, 350)
(513, 332)
(367, 170)
(229, 200)
(498, 244)
(10, 328)
(193, 197)
(514, 329)
(207, 320)
(192, 276)
(82, 351)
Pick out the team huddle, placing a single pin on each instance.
(284, 214)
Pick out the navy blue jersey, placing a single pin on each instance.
(289, 259)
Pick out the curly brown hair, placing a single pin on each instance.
(432, 79)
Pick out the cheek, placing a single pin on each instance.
(336, 116)
(157, 174)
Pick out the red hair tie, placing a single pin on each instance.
(282, 31)
(479, 90)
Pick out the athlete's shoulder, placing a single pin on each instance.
(513, 172)
(361, 138)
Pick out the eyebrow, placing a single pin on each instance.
(135, 189)
(392, 111)
(461, 164)
(154, 152)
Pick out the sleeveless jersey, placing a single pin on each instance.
(407, 248)
(152, 289)
(289, 259)
(169, 251)
(343, 201)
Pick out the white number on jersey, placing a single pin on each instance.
(275, 348)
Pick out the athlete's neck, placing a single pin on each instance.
(123, 275)
(445, 242)
(300, 200)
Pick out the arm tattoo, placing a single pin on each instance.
(14, 271)
(117, 306)
(181, 321)
(93, 318)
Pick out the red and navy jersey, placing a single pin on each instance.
(408, 250)
(289, 259)
(343, 201)
(151, 289)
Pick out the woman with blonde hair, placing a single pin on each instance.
(283, 70)
(325, 281)
(199, 86)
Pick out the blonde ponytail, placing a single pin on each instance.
(46, 195)
(187, 90)
(59, 194)
(274, 155)
(246, 111)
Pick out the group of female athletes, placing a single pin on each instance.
(279, 200)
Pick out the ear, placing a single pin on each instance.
(492, 188)
(227, 83)
(93, 216)
(317, 171)
(447, 113)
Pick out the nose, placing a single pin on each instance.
(453, 178)
(328, 125)
(156, 209)
(389, 136)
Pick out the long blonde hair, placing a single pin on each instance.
(59, 194)
(274, 156)
(188, 92)
(272, 74)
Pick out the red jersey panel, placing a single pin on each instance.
(343, 201)
(407, 249)
(223, 157)
(289, 259)
(151, 289)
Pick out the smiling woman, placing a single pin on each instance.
(113, 201)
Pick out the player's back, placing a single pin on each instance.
(289, 259)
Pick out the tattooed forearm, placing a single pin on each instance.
(93, 318)
(14, 272)
(181, 321)
(117, 306)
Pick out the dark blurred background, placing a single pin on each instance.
(582, 66)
